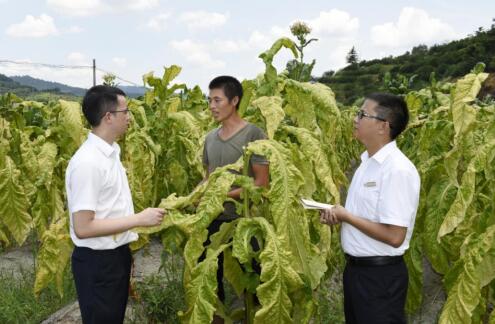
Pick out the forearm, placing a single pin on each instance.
(104, 227)
(388, 234)
(235, 193)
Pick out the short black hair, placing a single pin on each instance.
(230, 85)
(98, 100)
(392, 108)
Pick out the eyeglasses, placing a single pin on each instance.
(125, 111)
(363, 113)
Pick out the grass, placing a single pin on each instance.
(330, 297)
(159, 297)
(18, 303)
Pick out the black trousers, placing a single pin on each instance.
(375, 294)
(102, 283)
(212, 229)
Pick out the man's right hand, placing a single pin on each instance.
(151, 217)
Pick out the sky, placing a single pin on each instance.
(208, 38)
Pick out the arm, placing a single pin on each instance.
(86, 226)
(261, 179)
(392, 235)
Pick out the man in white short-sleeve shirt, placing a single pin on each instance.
(101, 210)
(379, 214)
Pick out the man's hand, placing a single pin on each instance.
(334, 215)
(327, 216)
(150, 217)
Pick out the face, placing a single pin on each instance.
(367, 127)
(220, 106)
(120, 116)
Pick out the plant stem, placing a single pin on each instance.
(245, 193)
(249, 304)
(248, 297)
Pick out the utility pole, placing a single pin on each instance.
(94, 72)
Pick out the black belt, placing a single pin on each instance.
(373, 260)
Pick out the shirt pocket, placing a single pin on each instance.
(370, 189)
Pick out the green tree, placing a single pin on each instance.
(352, 57)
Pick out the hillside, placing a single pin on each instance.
(43, 85)
(413, 69)
(9, 85)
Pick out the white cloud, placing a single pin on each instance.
(77, 7)
(197, 53)
(229, 46)
(159, 22)
(119, 61)
(95, 7)
(203, 20)
(414, 26)
(334, 23)
(141, 4)
(77, 58)
(31, 26)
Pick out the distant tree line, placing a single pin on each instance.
(447, 61)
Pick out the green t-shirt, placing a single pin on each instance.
(218, 152)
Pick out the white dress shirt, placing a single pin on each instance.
(95, 180)
(384, 189)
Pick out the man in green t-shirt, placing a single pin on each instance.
(224, 145)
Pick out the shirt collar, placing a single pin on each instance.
(382, 153)
(102, 145)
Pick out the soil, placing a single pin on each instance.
(146, 261)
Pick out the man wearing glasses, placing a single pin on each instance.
(379, 214)
(101, 210)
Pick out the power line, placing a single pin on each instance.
(63, 66)
(55, 66)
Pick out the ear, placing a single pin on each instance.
(383, 128)
(235, 100)
(106, 117)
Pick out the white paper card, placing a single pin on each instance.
(311, 204)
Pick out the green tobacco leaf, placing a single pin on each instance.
(47, 159)
(13, 203)
(414, 262)
(465, 193)
(48, 206)
(311, 148)
(286, 211)
(271, 109)
(201, 294)
(270, 76)
(248, 89)
(30, 164)
(139, 152)
(440, 198)
(70, 118)
(53, 256)
(285, 178)
(4, 238)
(465, 91)
(278, 277)
(478, 269)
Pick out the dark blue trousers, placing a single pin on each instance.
(102, 283)
(375, 294)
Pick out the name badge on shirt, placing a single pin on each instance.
(370, 184)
